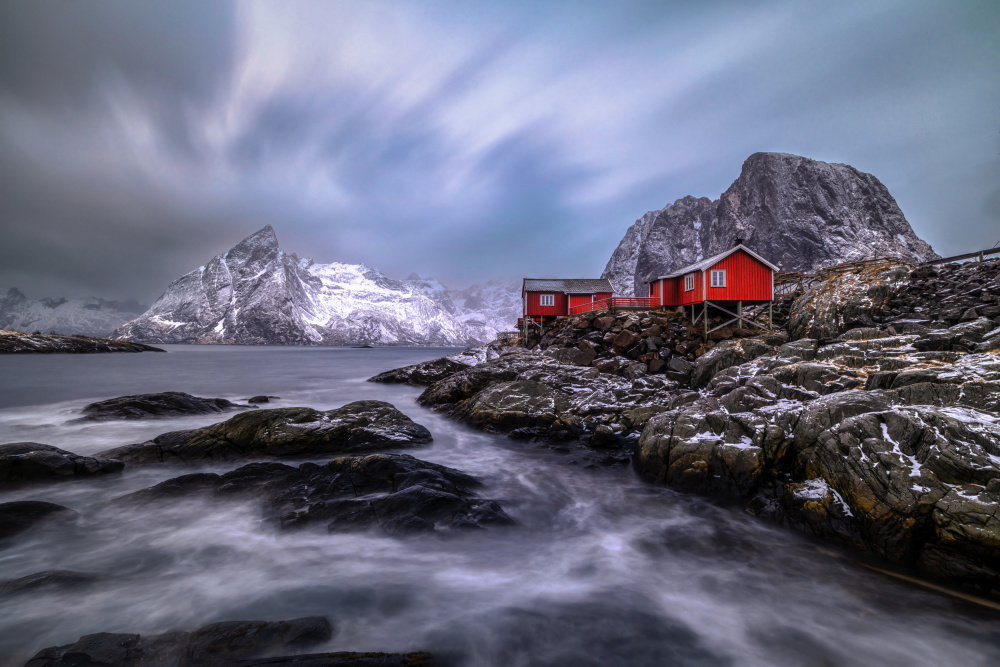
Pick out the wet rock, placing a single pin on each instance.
(257, 400)
(724, 355)
(702, 452)
(394, 493)
(48, 580)
(19, 516)
(515, 404)
(227, 643)
(150, 406)
(23, 462)
(422, 374)
(278, 433)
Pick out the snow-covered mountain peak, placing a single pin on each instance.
(255, 293)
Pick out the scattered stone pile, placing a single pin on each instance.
(633, 344)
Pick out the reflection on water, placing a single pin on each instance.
(600, 569)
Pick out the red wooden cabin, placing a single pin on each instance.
(733, 278)
(546, 298)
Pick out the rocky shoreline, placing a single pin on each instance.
(18, 342)
(870, 421)
(367, 486)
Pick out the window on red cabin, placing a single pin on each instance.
(547, 300)
(719, 278)
(689, 282)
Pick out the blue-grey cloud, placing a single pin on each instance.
(466, 141)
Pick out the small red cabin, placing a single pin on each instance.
(545, 298)
(738, 275)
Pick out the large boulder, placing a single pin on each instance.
(516, 404)
(150, 406)
(394, 493)
(362, 426)
(227, 643)
(704, 452)
(422, 374)
(21, 515)
(846, 300)
(22, 462)
(725, 354)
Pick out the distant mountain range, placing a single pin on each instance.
(88, 317)
(799, 214)
(257, 294)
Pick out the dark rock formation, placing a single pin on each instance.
(16, 342)
(361, 426)
(148, 406)
(47, 580)
(395, 493)
(800, 214)
(424, 373)
(227, 643)
(22, 515)
(22, 462)
(881, 434)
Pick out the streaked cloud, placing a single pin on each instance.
(466, 141)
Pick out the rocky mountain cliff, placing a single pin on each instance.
(800, 214)
(86, 317)
(257, 294)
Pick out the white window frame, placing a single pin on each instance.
(689, 282)
(721, 275)
(546, 300)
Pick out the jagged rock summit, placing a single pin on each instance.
(799, 213)
(257, 294)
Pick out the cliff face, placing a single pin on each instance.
(799, 213)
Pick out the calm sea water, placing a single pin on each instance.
(600, 568)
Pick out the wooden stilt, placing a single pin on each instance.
(705, 314)
(739, 313)
(770, 315)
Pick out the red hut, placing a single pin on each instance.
(727, 281)
(546, 298)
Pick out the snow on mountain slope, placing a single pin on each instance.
(257, 294)
(799, 213)
(87, 317)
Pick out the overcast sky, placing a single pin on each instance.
(462, 140)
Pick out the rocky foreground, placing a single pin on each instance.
(367, 486)
(236, 643)
(18, 342)
(872, 421)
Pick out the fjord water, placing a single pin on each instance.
(599, 569)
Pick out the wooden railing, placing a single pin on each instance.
(616, 302)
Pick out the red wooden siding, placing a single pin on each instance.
(604, 295)
(534, 306)
(654, 289)
(670, 294)
(746, 279)
(694, 296)
(580, 299)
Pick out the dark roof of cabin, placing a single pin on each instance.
(567, 285)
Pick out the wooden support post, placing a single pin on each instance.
(739, 312)
(705, 314)
(770, 315)
(692, 314)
